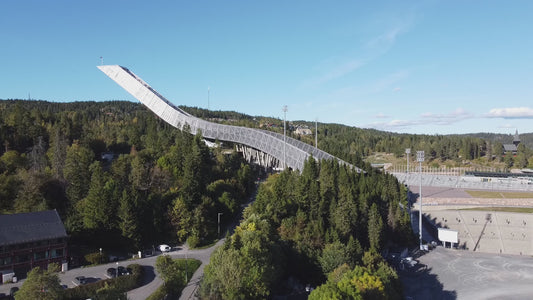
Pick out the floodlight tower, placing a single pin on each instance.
(407, 154)
(316, 133)
(284, 137)
(420, 159)
(208, 90)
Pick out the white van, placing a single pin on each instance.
(164, 248)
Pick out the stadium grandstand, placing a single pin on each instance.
(469, 180)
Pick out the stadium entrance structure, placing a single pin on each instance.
(274, 149)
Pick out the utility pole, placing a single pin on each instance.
(284, 137)
(407, 153)
(420, 159)
(219, 214)
(316, 133)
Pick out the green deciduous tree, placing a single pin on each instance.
(333, 255)
(41, 284)
(180, 217)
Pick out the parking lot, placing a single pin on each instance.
(458, 274)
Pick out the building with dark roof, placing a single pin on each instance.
(513, 148)
(29, 240)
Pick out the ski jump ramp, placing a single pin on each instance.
(283, 149)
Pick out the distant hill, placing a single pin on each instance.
(349, 143)
(525, 138)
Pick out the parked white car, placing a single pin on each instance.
(164, 248)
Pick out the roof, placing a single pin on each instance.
(30, 227)
(516, 137)
(510, 148)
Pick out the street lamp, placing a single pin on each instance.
(284, 136)
(186, 266)
(407, 153)
(117, 270)
(420, 159)
(100, 255)
(316, 133)
(219, 214)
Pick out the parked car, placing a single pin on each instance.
(164, 248)
(80, 280)
(112, 272)
(123, 271)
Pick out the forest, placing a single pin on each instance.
(121, 178)
(356, 144)
(325, 227)
(118, 176)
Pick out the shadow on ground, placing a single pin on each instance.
(419, 283)
(149, 274)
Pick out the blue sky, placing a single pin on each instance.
(433, 67)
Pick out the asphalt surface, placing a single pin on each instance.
(151, 280)
(457, 274)
(460, 274)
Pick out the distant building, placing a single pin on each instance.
(303, 131)
(513, 148)
(29, 240)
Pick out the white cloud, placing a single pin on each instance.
(341, 70)
(334, 72)
(394, 125)
(425, 120)
(395, 26)
(445, 119)
(375, 47)
(381, 116)
(383, 42)
(511, 113)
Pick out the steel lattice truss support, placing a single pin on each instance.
(265, 141)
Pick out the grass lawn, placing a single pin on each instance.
(493, 194)
(526, 210)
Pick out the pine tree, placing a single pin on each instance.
(129, 222)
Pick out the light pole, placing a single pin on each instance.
(407, 153)
(117, 270)
(186, 267)
(219, 214)
(316, 133)
(100, 255)
(284, 136)
(420, 159)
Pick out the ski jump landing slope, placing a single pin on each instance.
(284, 149)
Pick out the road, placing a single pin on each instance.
(151, 280)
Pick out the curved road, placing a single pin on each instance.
(151, 281)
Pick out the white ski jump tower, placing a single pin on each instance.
(260, 146)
